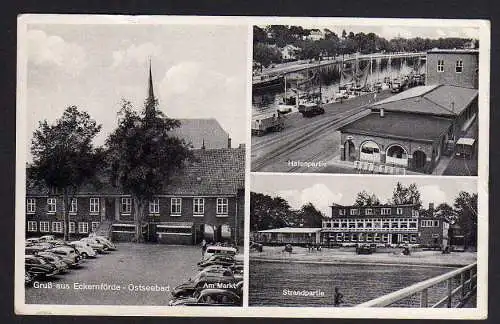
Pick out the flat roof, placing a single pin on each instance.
(400, 125)
(442, 100)
(292, 230)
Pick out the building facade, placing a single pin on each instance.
(389, 225)
(457, 67)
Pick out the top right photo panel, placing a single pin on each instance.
(366, 99)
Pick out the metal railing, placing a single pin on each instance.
(466, 288)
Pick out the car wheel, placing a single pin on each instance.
(85, 255)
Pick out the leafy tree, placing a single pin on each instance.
(406, 195)
(265, 54)
(310, 216)
(466, 210)
(363, 198)
(259, 34)
(143, 156)
(445, 211)
(64, 158)
(267, 212)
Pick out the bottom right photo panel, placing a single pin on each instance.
(346, 241)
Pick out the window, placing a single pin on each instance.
(385, 238)
(57, 227)
(368, 211)
(343, 224)
(342, 212)
(126, 205)
(222, 206)
(435, 235)
(414, 213)
(347, 237)
(404, 225)
(385, 225)
(405, 238)
(94, 226)
(73, 206)
(413, 224)
(94, 205)
(413, 238)
(175, 206)
(198, 205)
(360, 225)
(71, 227)
(376, 237)
(459, 67)
(354, 237)
(83, 227)
(352, 225)
(361, 237)
(429, 223)
(336, 224)
(154, 206)
(354, 211)
(385, 211)
(31, 226)
(436, 223)
(369, 237)
(394, 225)
(440, 66)
(368, 225)
(340, 237)
(30, 205)
(328, 225)
(399, 211)
(51, 205)
(377, 224)
(44, 227)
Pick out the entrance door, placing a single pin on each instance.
(110, 208)
(394, 238)
(419, 158)
(349, 151)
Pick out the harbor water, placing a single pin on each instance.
(267, 103)
(358, 283)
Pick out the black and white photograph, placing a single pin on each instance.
(332, 242)
(134, 163)
(365, 99)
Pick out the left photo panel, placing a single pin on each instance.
(131, 163)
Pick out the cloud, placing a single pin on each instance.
(193, 90)
(471, 33)
(135, 54)
(391, 32)
(47, 50)
(319, 195)
(432, 193)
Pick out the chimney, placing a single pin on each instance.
(381, 112)
(431, 208)
(228, 142)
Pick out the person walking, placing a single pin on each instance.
(203, 247)
(337, 297)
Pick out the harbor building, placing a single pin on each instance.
(390, 225)
(205, 200)
(413, 129)
(289, 235)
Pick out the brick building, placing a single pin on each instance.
(414, 128)
(389, 225)
(204, 200)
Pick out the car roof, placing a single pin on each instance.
(211, 291)
(221, 248)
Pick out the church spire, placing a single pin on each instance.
(151, 94)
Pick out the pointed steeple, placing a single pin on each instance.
(151, 94)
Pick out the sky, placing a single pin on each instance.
(199, 71)
(323, 190)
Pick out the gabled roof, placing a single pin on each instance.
(212, 172)
(199, 131)
(442, 100)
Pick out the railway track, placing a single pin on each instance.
(304, 136)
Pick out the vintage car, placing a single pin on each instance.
(84, 249)
(221, 259)
(34, 249)
(209, 297)
(98, 247)
(364, 249)
(68, 255)
(256, 247)
(104, 241)
(38, 267)
(222, 250)
(224, 280)
(55, 260)
(46, 238)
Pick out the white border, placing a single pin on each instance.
(484, 62)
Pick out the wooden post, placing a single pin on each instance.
(462, 284)
(424, 298)
(449, 292)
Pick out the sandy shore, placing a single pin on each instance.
(348, 256)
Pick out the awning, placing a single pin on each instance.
(175, 225)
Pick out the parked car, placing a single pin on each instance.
(363, 249)
(84, 249)
(98, 247)
(55, 260)
(225, 260)
(32, 240)
(46, 238)
(38, 267)
(34, 249)
(201, 281)
(222, 250)
(209, 297)
(68, 256)
(256, 247)
(104, 241)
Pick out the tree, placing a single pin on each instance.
(64, 158)
(143, 155)
(363, 198)
(265, 54)
(406, 195)
(466, 210)
(268, 212)
(446, 212)
(310, 216)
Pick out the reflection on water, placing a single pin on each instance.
(263, 103)
(358, 283)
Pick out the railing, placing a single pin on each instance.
(466, 288)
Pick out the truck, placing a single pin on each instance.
(268, 123)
